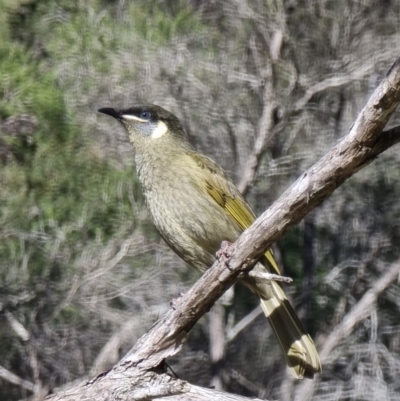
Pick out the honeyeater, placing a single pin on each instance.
(195, 206)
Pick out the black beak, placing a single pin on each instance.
(111, 112)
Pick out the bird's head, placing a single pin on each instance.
(148, 124)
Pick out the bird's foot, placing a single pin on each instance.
(266, 276)
(223, 253)
(174, 302)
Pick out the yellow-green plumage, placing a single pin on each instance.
(195, 206)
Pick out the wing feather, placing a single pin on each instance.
(219, 186)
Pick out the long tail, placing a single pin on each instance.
(297, 346)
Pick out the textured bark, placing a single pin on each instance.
(139, 375)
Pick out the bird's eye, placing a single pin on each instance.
(145, 115)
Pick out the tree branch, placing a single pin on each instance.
(12, 378)
(263, 136)
(243, 323)
(139, 373)
(359, 311)
(18, 328)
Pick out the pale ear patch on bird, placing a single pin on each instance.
(160, 130)
(130, 117)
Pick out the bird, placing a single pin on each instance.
(195, 206)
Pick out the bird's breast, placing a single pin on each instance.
(189, 220)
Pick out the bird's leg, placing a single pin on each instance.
(223, 252)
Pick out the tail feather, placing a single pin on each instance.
(297, 346)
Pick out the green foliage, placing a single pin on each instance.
(58, 195)
(60, 178)
(159, 25)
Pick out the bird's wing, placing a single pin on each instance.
(218, 185)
